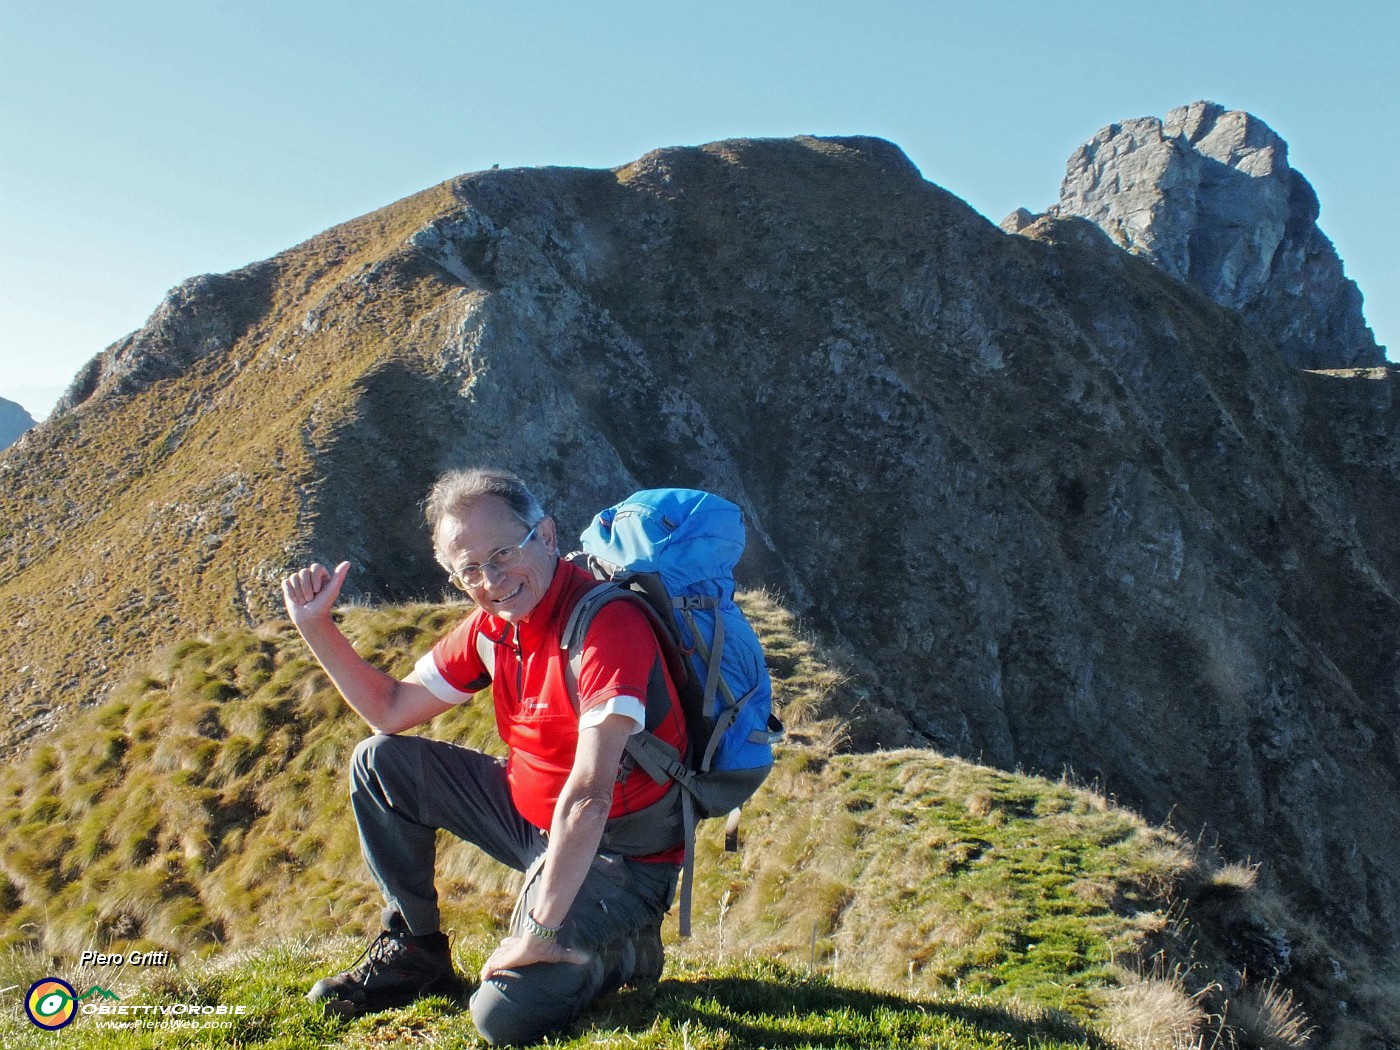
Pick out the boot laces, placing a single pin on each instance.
(381, 952)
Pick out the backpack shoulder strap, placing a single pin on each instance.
(486, 653)
(658, 759)
(581, 618)
(486, 647)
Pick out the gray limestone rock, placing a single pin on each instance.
(1208, 195)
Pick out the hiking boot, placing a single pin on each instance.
(651, 956)
(634, 961)
(398, 969)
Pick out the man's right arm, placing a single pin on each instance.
(389, 705)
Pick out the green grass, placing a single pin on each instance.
(749, 1003)
(936, 874)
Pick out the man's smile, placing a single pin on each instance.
(499, 601)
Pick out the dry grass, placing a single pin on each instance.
(1235, 877)
(1266, 1016)
(194, 519)
(811, 692)
(1156, 1013)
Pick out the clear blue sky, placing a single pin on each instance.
(144, 142)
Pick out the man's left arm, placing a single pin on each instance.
(574, 835)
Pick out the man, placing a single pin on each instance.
(588, 918)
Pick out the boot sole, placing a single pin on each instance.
(349, 1008)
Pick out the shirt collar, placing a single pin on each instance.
(544, 613)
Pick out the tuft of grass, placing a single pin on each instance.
(1235, 879)
(1157, 1012)
(1267, 1016)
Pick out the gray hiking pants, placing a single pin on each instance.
(403, 788)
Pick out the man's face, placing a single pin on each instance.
(486, 527)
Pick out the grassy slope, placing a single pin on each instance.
(93, 575)
(201, 811)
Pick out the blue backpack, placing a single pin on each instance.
(673, 552)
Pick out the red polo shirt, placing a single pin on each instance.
(622, 670)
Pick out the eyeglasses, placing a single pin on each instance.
(471, 574)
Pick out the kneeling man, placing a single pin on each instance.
(588, 918)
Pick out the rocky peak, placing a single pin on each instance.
(1207, 194)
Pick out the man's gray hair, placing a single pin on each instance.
(457, 490)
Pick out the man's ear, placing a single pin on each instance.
(549, 534)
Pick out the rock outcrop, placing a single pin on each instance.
(202, 316)
(1056, 508)
(1208, 195)
(14, 421)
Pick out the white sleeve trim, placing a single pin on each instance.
(618, 705)
(427, 671)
